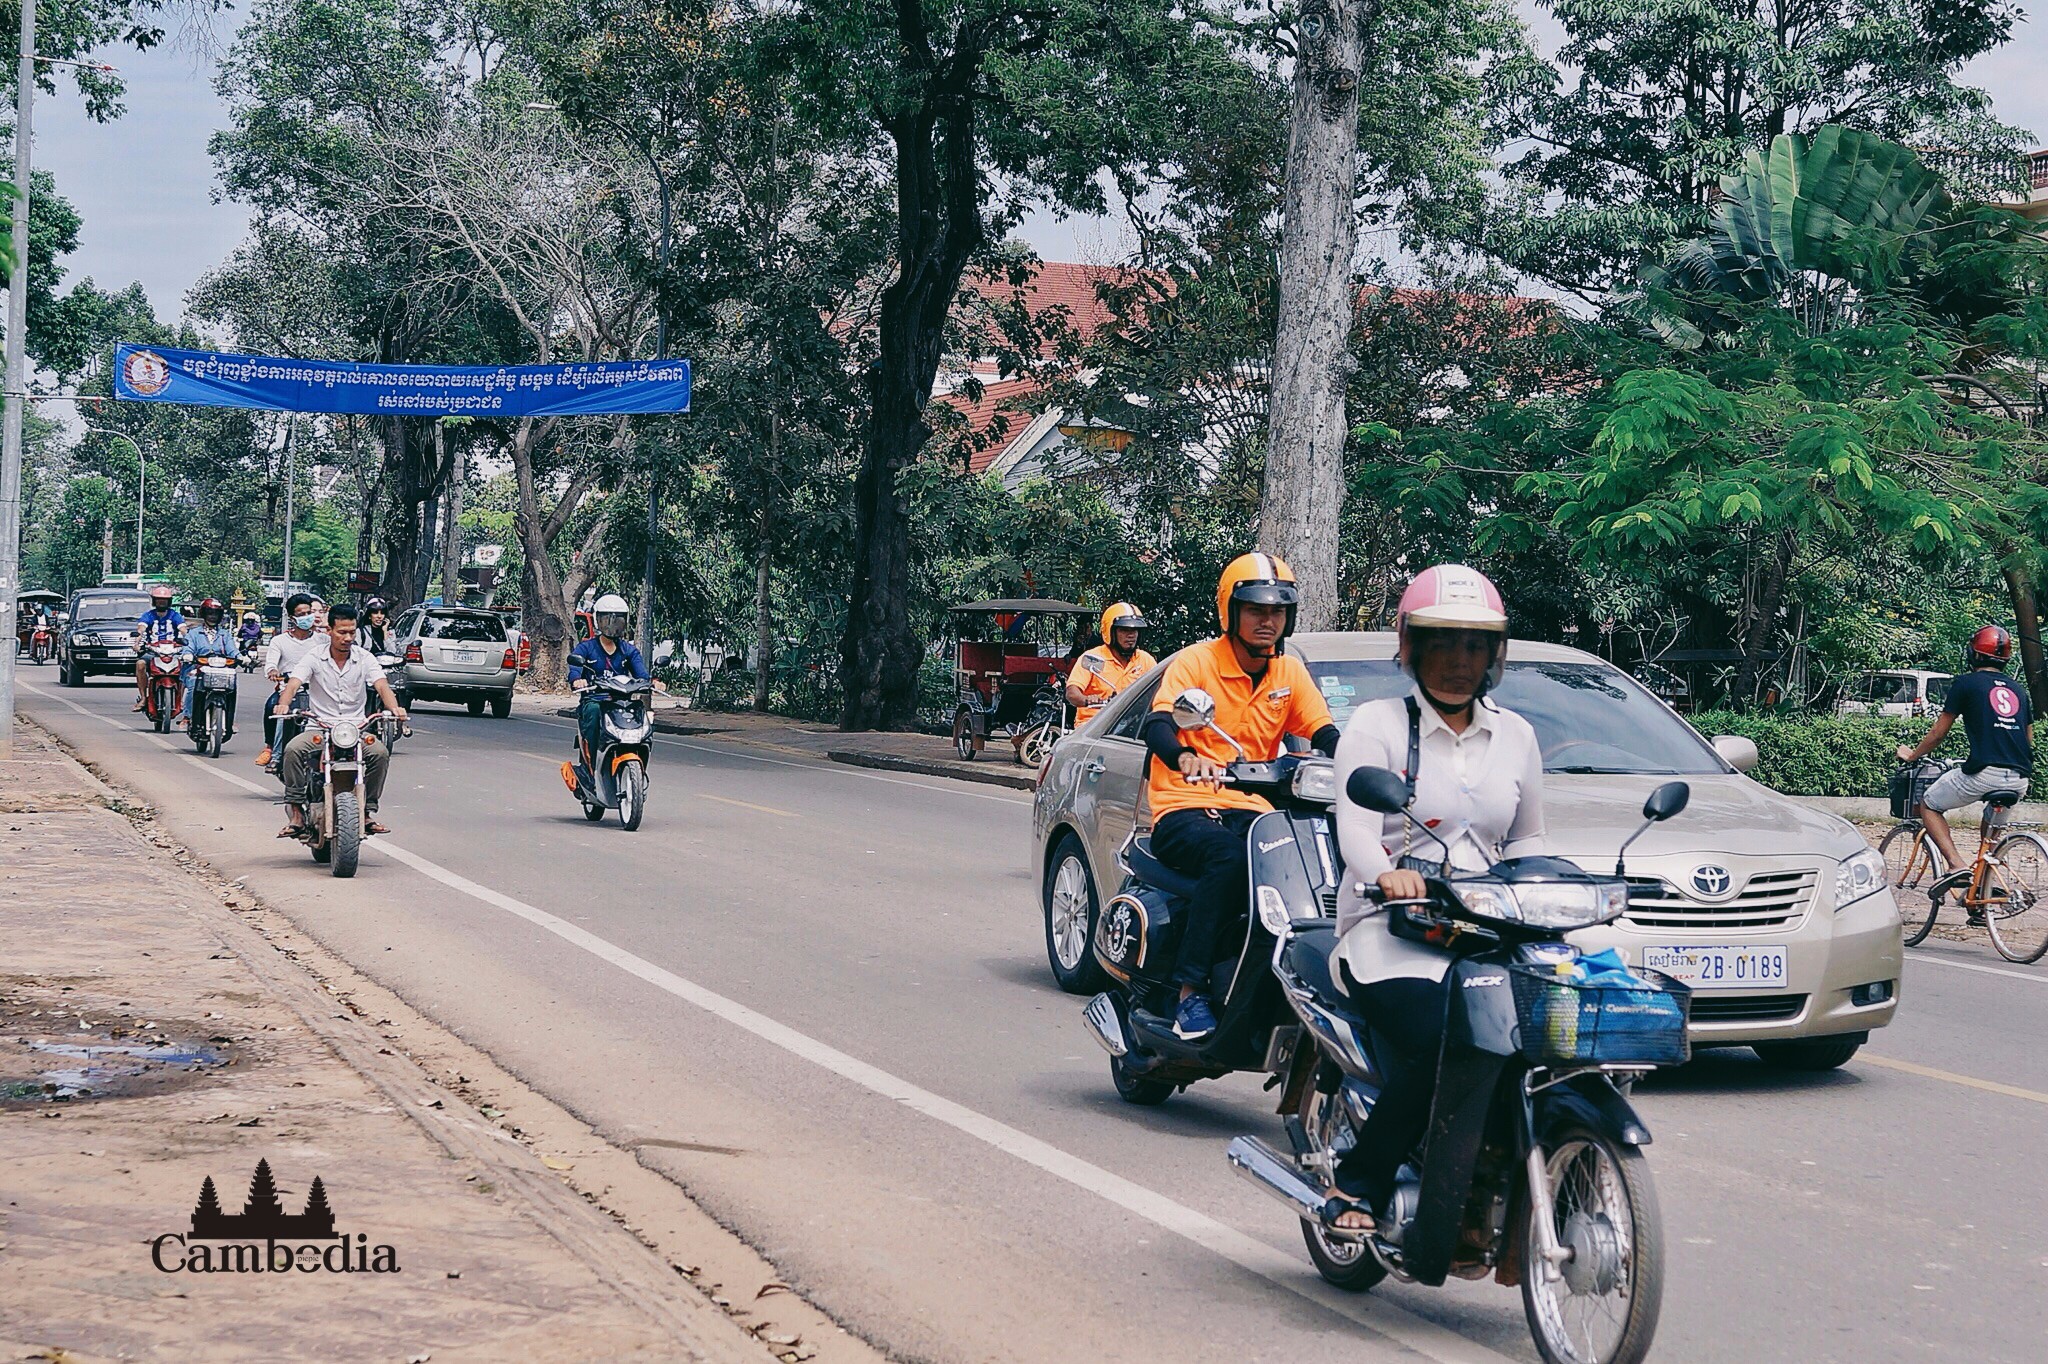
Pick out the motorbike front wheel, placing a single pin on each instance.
(632, 795)
(348, 833)
(162, 718)
(216, 729)
(1601, 1305)
(1344, 1261)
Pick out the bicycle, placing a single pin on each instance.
(2006, 891)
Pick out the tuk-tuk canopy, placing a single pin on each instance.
(1044, 606)
(39, 595)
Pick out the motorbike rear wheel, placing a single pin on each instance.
(592, 811)
(1601, 1306)
(347, 841)
(1133, 1088)
(632, 779)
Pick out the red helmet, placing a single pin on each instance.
(211, 608)
(1991, 644)
(161, 592)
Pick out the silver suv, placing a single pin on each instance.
(455, 653)
(1778, 916)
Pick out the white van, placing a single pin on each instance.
(1894, 691)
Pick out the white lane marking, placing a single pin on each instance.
(1284, 1271)
(1921, 958)
(1384, 1318)
(825, 765)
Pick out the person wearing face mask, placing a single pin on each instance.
(287, 647)
(1475, 771)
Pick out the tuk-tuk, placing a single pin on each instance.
(1011, 660)
(29, 607)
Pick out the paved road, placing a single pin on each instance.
(816, 997)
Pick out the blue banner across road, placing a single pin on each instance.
(157, 374)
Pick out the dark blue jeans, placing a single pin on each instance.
(1209, 846)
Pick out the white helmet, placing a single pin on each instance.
(610, 611)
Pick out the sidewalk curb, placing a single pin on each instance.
(1016, 781)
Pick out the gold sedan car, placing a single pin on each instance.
(1778, 916)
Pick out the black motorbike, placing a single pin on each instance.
(615, 777)
(1532, 1169)
(208, 722)
(1137, 935)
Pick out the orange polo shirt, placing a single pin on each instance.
(1256, 714)
(1100, 674)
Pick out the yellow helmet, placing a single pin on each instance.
(1260, 580)
(1120, 615)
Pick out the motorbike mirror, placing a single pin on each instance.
(1376, 788)
(1194, 709)
(1666, 801)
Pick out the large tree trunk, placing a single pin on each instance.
(1763, 626)
(451, 536)
(408, 476)
(2026, 619)
(938, 229)
(1304, 484)
(543, 614)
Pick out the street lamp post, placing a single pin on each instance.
(139, 486)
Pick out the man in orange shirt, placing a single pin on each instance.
(1198, 821)
(1110, 666)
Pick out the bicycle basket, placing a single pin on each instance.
(1909, 786)
(1563, 1023)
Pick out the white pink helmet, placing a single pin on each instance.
(1453, 597)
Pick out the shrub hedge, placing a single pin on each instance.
(1832, 755)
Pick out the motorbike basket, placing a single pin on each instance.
(1563, 1023)
(1909, 786)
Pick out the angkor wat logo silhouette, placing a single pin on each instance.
(263, 1217)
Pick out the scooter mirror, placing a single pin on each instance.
(1194, 709)
(1666, 801)
(1376, 788)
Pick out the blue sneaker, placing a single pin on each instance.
(1193, 1020)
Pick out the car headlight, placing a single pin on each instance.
(344, 735)
(1860, 875)
(1545, 904)
(1316, 781)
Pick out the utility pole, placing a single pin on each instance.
(291, 479)
(451, 537)
(17, 375)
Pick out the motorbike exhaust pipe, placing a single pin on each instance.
(1275, 1174)
(1106, 1027)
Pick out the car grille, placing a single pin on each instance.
(1745, 1008)
(1771, 899)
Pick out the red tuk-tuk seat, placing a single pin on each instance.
(982, 658)
(1029, 665)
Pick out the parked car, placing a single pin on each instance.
(1894, 691)
(99, 637)
(458, 653)
(1779, 917)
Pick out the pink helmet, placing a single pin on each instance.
(1453, 597)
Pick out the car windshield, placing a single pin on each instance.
(127, 610)
(463, 629)
(1588, 717)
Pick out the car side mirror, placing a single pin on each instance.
(1194, 709)
(1376, 788)
(1666, 801)
(1738, 752)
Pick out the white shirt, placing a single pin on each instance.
(1481, 792)
(337, 692)
(286, 649)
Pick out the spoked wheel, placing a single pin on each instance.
(963, 734)
(1600, 1306)
(1910, 861)
(2019, 925)
(1070, 919)
(1344, 1261)
(1037, 745)
(632, 795)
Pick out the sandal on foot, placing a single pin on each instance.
(292, 831)
(373, 827)
(1340, 1205)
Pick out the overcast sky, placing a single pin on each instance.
(144, 184)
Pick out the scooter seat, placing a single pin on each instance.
(1308, 959)
(1149, 869)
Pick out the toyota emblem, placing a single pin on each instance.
(1712, 881)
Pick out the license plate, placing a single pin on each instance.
(1721, 968)
(468, 656)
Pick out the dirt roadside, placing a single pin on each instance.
(159, 1028)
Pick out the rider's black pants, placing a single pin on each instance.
(1209, 846)
(1407, 1016)
(590, 722)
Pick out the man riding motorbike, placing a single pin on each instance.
(161, 624)
(1476, 774)
(251, 634)
(210, 638)
(1199, 823)
(602, 655)
(1111, 666)
(336, 677)
(287, 647)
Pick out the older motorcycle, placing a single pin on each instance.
(164, 691)
(213, 698)
(334, 796)
(1532, 1170)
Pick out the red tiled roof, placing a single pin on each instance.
(1057, 284)
(1000, 399)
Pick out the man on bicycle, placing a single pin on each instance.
(1999, 721)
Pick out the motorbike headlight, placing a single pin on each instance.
(1860, 875)
(1316, 781)
(1545, 904)
(344, 735)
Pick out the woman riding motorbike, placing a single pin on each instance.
(1475, 772)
